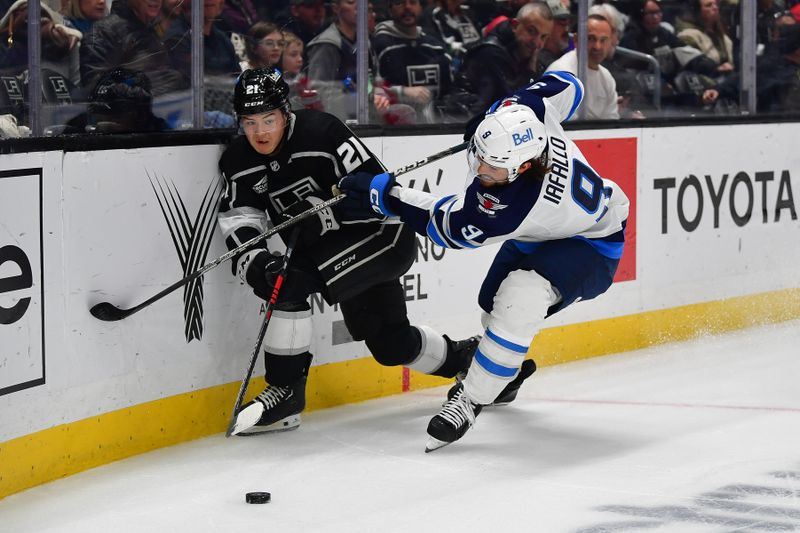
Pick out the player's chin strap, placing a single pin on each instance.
(110, 313)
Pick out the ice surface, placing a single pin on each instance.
(702, 436)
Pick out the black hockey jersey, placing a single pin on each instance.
(317, 151)
(423, 61)
(458, 32)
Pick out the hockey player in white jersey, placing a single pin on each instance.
(562, 227)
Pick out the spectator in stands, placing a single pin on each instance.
(508, 58)
(219, 58)
(631, 97)
(305, 18)
(784, 18)
(647, 35)
(767, 11)
(59, 43)
(617, 21)
(121, 102)
(301, 95)
(501, 12)
(332, 53)
(127, 37)
(272, 9)
(81, 14)
(777, 74)
(238, 16)
(263, 46)
(292, 57)
(414, 66)
(560, 40)
(332, 62)
(600, 100)
(701, 27)
(170, 11)
(451, 22)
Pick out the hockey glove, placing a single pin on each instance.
(259, 269)
(318, 225)
(367, 195)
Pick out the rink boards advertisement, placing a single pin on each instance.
(709, 230)
(21, 275)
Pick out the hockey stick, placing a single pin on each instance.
(267, 315)
(110, 313)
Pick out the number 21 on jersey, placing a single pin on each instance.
(353, 154)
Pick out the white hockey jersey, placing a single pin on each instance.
(571, 201)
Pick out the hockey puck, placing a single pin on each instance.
(257, 497)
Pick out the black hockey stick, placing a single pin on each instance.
(111, 313)
(267, 315)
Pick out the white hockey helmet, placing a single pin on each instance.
(509, 137)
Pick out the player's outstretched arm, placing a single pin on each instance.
(380, 194)
(367, 194)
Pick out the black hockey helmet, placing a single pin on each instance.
(260, 90)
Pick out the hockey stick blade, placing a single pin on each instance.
(109, 313)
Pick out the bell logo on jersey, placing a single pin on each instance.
(522, 138)
(489, 204)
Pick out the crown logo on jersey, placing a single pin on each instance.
(274, 166)
(489, 204)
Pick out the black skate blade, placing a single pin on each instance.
(434, 444)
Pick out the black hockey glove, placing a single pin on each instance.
(315, 226)
(367, 195)
(259, 269)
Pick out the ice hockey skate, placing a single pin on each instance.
(452, 422)
(275, 409)
(464, 352)
(509, 393)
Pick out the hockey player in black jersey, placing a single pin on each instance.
(286, 162)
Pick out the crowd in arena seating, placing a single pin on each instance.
(430, 61)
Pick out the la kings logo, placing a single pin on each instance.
(427, 75)
(293, 193)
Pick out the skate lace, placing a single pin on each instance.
(458, 410)
(272, 396)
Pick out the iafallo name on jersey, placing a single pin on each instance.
(559, 171)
